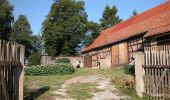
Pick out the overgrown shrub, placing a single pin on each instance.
(124, 81)
(52, 69)
(34, 59)
(129, 69)
(63, 60)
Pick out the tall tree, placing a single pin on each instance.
(34, 58)
(6, 19)
(93, 30)
(64, 27)
(109, 17)
(22, 33)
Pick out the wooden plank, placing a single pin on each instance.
(158, 55)
(146, 56)
(152, 55)
(157, 88)
(169, 54)
(1, 50)
(166, 82)
(160, 48)
(146, 80)
(161, 78)
(164, 55)
(169, 81)
(156, 79)
(153, 80)
(149, 56)
(4, 86)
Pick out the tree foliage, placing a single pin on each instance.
(6, 19)
(109, 17)
(38, 44)
(64, 27)
(34, 59)
(22, 33)
(134, 13)
(93, 30)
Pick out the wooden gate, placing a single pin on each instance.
(157, 71)
(88, 61)
(11, 65)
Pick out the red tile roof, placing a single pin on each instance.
(158, 30)
(149, 21)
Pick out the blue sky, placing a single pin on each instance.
(36, 10)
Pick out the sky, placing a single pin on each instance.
(37, 10)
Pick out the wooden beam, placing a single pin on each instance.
(158, 95)
(156, 66)
(9, 63)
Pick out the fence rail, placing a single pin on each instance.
(157, 71)
(11, 65)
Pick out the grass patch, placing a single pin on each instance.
(55, 81)
(82, 91)
(131, 93)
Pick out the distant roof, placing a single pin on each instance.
(153, 21)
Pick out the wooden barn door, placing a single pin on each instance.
(88, 61)
(157, 71)
(115, 55)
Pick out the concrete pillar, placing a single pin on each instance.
(21, 72)
(139, 73)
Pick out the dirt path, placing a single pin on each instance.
(109, 91)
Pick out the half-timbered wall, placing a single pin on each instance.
(134, 46)
(104, 58)
(100, 58)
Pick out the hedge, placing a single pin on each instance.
(129, 69)
(62, 60)
(52, 69)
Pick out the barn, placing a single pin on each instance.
(116, 45)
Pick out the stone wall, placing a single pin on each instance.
(75, 61)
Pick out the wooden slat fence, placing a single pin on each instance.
(10, 70)
(157, 71)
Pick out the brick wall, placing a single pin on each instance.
(45, 59)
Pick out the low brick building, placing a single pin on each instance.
(116, 45)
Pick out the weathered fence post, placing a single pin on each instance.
(139, 73)
(21, 70)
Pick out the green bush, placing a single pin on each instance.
(63, 60)
(52, 69)
(129, 69)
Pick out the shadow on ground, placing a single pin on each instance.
(33, 94)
